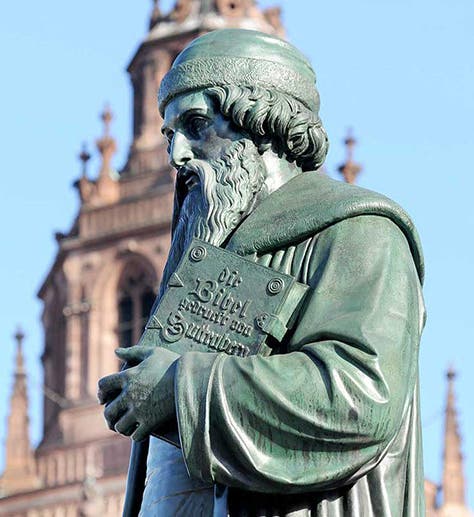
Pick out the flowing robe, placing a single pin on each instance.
(329, 424)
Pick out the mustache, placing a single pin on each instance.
(194, 174)
(201, 168)
(193, 167)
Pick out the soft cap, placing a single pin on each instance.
(244, 58)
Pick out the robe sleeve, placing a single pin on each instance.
(326, 412)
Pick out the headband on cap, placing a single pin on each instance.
(244, 58)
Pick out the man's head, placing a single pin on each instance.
(240, 113)
(262, 84)
(220, 172)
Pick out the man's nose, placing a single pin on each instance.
(180, 150)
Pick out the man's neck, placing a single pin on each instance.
(279, 170)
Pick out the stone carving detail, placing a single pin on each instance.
(181, 10)
(273, 17)
(231, 7)
(213, 300)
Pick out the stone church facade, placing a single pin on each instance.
(102, 284)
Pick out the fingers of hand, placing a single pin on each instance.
(167, 356)
(140, 433)
(109, 387)
(127, 424)
(135, 354)
(114, 411)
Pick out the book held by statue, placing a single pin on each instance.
(218, 301)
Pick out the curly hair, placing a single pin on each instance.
(273, 119)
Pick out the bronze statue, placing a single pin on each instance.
(326, 421)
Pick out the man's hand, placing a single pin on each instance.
(141, 398)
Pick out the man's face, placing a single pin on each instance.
(220, 172)
(196, 130)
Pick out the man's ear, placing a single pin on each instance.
(264, 145)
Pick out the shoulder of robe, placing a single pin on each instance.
(307, 205)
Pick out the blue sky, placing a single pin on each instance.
(399, 72)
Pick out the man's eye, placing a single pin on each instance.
(196, 125)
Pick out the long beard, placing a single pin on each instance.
(228, 189)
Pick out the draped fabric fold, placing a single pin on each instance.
(329, 425)
(329, 421)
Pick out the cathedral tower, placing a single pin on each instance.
(452, 490)
(453, 486)
(102, 284)
(168, 35)
(20, 470)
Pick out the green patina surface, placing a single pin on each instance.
(328, 424)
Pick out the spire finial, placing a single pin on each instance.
(20, 470)
(155, 14)
(107, 117)
(84, 157)
(350, 169)
(106, 189)
(453, 477)
(106, 144)
(19, 337)
(182, 9)
(451, 374)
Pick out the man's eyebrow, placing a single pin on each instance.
(182, 117)
(193, 111)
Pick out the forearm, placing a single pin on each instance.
(292, 423)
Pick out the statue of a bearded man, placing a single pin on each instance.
(328, 424)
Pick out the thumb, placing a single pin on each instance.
(134, 355)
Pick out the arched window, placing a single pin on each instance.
(136, 294)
